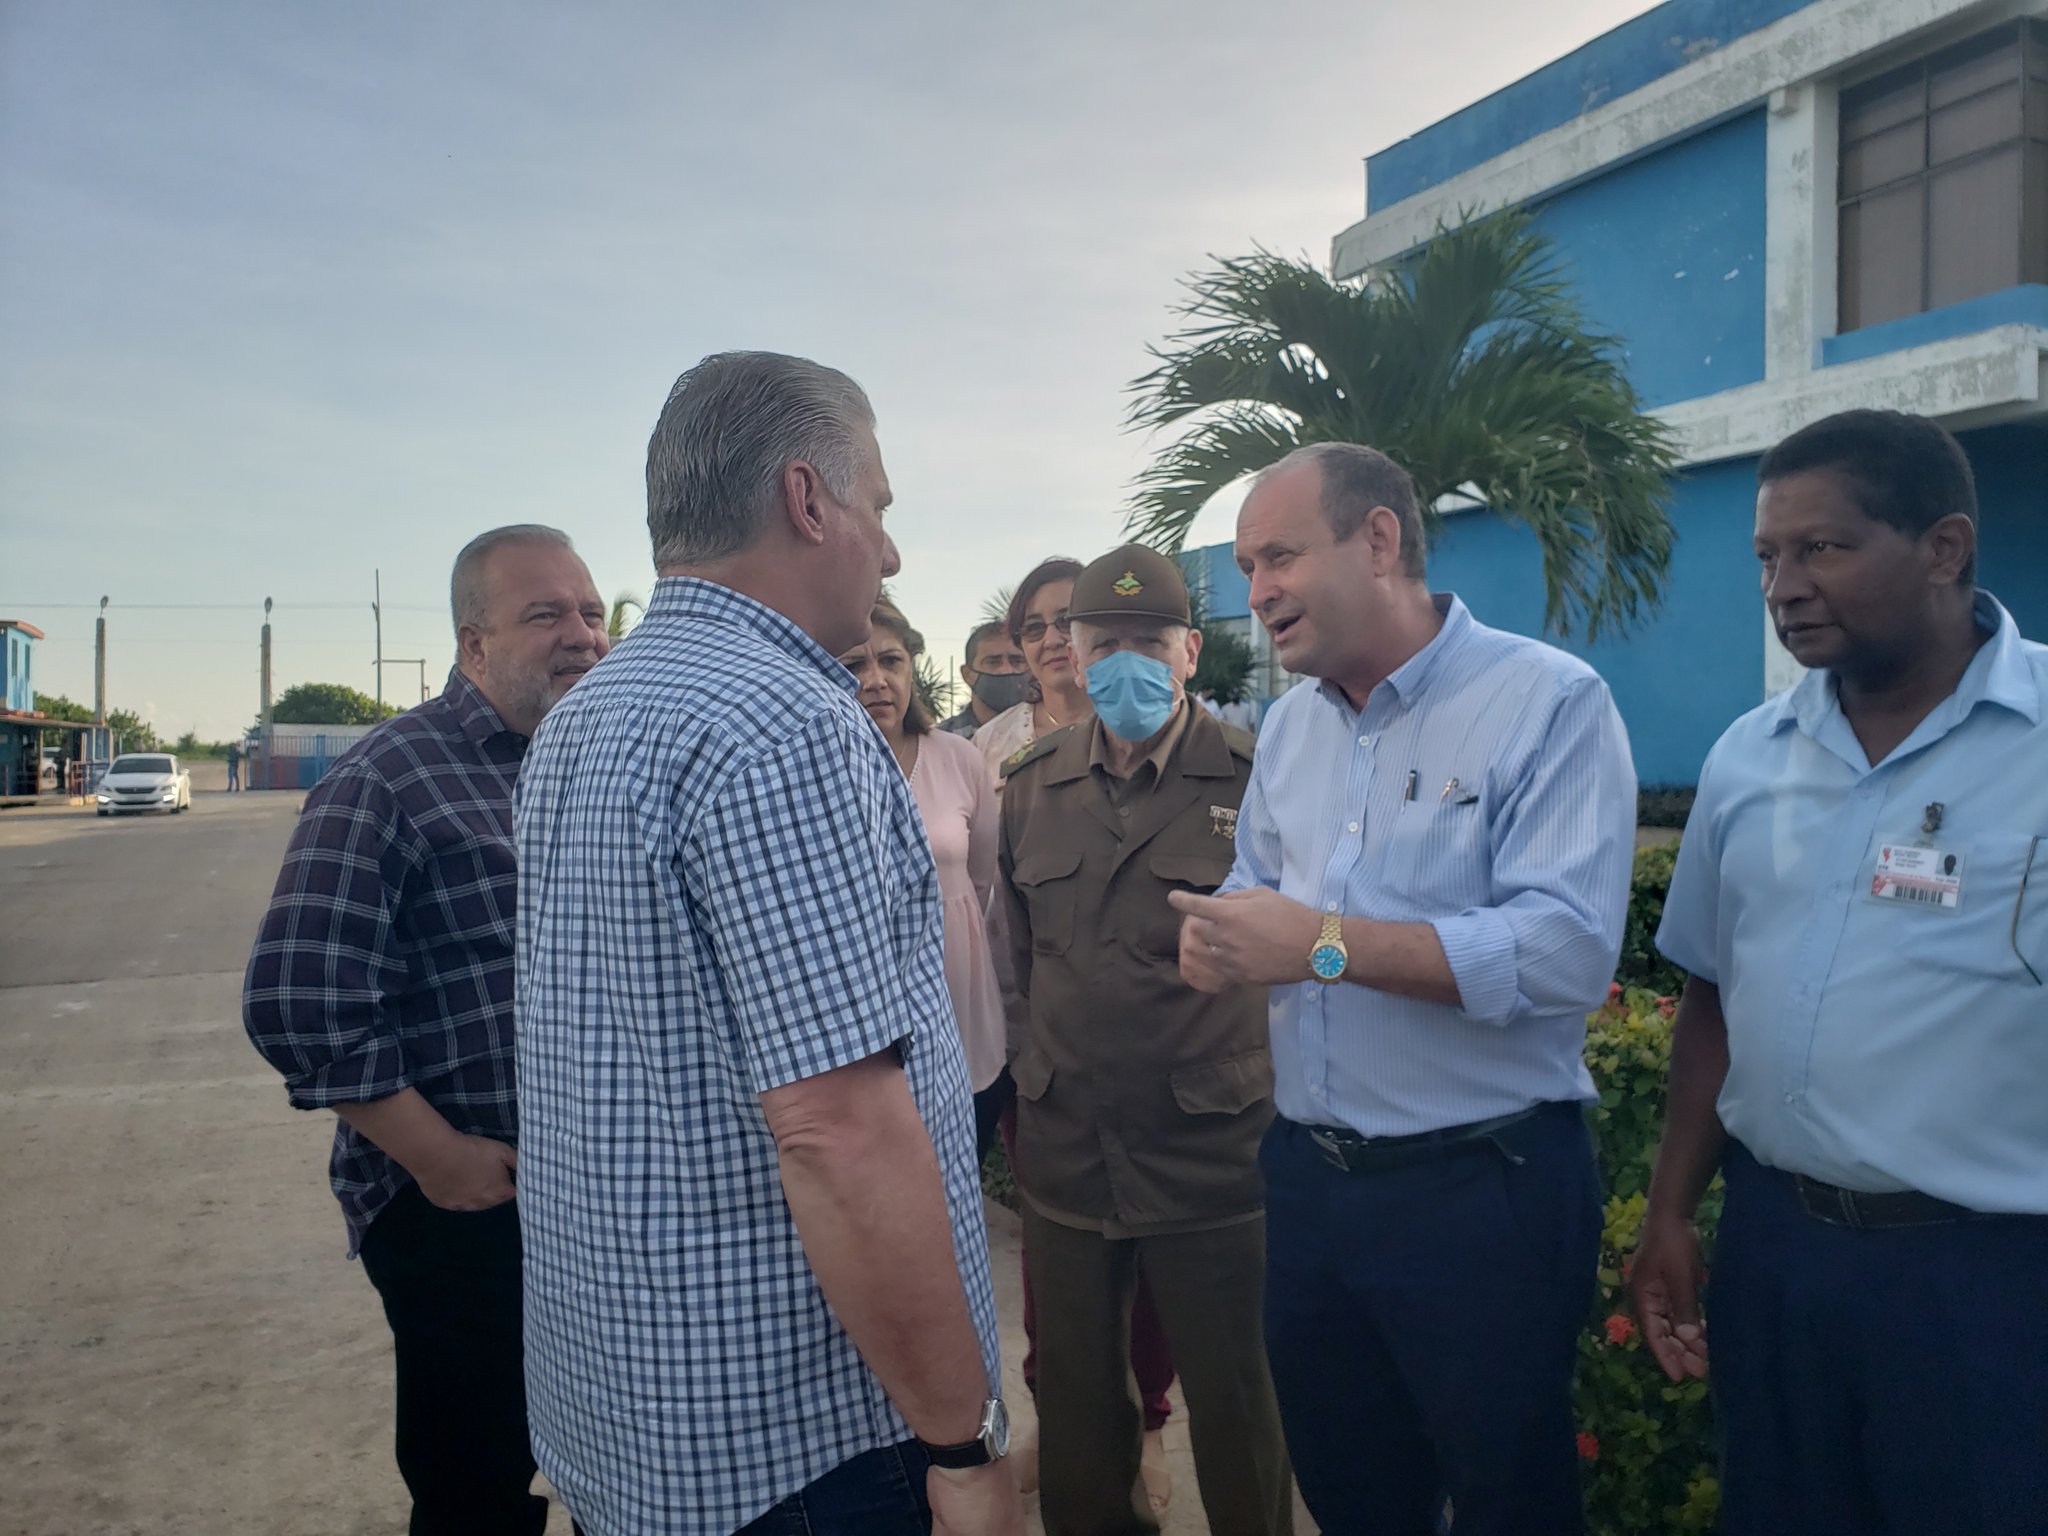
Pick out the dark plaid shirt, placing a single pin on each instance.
(385, 960)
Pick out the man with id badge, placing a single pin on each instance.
(1862, 1050)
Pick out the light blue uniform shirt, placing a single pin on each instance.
(1515, 846)
(1881, 1045)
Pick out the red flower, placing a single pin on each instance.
(1589, 1448)
(1614, 991)
(1667, 1006)
(1620, 1328)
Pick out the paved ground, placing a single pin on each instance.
(183, 1350)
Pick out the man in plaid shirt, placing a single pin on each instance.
(757, 1277)
(381, 988)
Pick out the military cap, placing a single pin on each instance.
(1134, 582)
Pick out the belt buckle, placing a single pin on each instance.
(1330, 1147)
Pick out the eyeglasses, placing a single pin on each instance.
(1033, 630)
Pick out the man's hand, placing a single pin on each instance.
(471, 1173)
(1250, 938)
(1664, 1282)
(976, 1501)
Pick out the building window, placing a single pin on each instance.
(1943, 184)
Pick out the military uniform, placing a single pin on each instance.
(1141, 1103)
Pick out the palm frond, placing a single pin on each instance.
(625, 603)
(1470, 363)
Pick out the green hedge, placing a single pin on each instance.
(1646, 1446)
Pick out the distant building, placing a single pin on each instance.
(1786, 208)
(39, 756)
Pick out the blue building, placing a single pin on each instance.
(1786, 208)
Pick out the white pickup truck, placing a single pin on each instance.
(145, 781)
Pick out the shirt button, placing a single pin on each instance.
(1352, 828)
(1791, 1098)
(1330, 906)
(1365, 741)
(1123, 810)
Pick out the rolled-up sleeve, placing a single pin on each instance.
(1564, 840)
(788, 868)
(320, 997)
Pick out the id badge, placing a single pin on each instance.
(1918, 876)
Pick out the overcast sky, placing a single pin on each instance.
(291, 292)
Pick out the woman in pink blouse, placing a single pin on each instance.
(950, 783)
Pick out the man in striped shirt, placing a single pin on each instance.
(1432, 876)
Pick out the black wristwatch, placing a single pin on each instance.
(992, 1444)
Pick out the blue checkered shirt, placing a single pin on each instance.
(385, 959)
(724, 889)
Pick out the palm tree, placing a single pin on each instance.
(1472, 365)
(617, 625)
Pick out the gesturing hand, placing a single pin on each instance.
(1254, 938)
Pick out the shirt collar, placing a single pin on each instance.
(1162, 749)
(1408, 680)
(475, 717)
(690, 597)
(1998, 674)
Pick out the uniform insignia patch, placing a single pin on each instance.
(1128, 585)
(1223, 820)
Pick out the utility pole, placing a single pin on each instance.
(99, 668)
(377, 615)
(264, 719)
(411, 661)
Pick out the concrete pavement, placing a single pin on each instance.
(183, 1349)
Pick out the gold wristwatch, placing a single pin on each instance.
(1327, 960)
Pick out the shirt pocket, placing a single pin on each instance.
(1435, 858)
(1047, 884)
(2003, 928)
(1158, 925)
(1227, 1087)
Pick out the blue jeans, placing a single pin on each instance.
(877, 1493)
(1423, 1322)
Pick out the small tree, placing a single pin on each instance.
(1471, 365)
(327, 704)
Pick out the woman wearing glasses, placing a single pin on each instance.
(1037, 622)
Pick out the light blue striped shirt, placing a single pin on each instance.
(1882, 1044)
(1515, 846)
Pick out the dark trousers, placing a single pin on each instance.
(1151, 1359)
(1423, 1324)
(234, 773)
(1206, 1286)
(878, 1493)
(1887, 1381)
(450, 1285)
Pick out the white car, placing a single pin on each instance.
(145, 781)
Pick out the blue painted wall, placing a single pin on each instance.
(1667, 252)
(2011, 464)
(2025, 305)
(18, 674)
(1612, 65)
(1682, 677)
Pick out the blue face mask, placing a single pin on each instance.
(1133, 694)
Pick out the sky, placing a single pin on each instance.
(293, 294)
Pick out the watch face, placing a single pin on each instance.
(998, 1436)
(1327, 962)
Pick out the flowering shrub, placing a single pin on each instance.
(1646, 1447)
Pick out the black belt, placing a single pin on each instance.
(1903, 1208)
(1364, 1154)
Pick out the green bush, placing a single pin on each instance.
(1664, 805)
(1647, 1446)
(1640, 964)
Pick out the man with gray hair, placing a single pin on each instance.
(757, 1278)
(381, 988)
